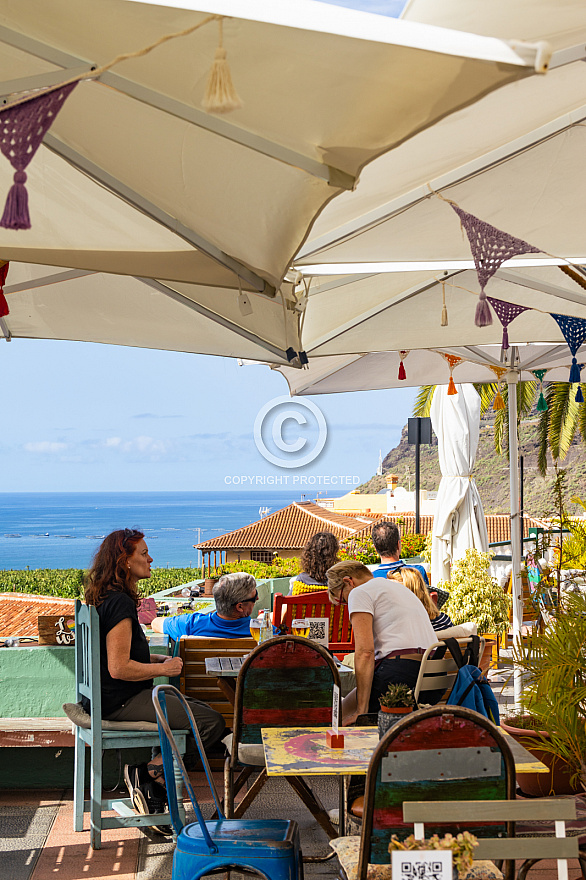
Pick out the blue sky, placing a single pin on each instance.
(83, 417)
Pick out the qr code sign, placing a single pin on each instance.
(422, 865)
(319, 630)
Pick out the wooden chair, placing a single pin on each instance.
(441, 673)
(289, 608)
(530, 848)
(100, 735)
(194, 682)
(442, 753)
(285, 682)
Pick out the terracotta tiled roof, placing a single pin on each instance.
(19, 612)
(497, 526)
(290, 528)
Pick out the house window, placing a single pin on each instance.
(261, 555)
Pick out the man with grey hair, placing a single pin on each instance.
(235, 595)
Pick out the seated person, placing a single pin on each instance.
(128, 668)
(391, 633)
(234, 595)
(411, 578)
(319, 554)
(387, 543)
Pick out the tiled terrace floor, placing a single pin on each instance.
(37, 841)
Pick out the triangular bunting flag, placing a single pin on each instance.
(490, 248)
(402, 374)
(453, 361)
(4, 310)
(498, 402)
(541, 403)
(22, 128)
(506, 313)
(574, 332)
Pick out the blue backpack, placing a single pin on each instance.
(471, 689)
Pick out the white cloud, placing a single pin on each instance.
(45, 447)
(112, 442)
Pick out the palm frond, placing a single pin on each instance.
(487, 391)
(563, 417)
(422, 406)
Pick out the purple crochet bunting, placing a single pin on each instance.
(22, 128)
(574, 331)
(490, 248)
(506, 313)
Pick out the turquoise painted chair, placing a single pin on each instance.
(100, 735)
(269, 847)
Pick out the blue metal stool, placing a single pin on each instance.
(269, 847)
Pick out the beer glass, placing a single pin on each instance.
(300, 628)
(255, 627)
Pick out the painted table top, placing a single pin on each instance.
(290, 751)
(303, 751)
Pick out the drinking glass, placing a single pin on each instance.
(300, 628)
(255, 626)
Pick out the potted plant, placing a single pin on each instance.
(476, 595)
(554, 699)
(394, 704)
(462, 848)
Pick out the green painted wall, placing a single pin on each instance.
(35, 682)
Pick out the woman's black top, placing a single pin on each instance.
(115, 692)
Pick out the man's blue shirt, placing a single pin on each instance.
(211, 625)
(382, 570)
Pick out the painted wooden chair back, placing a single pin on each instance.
(443, 753)
(195, 683)
(285, 682)
(289, 608)
(87, 664)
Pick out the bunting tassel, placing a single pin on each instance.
(574, 371)
(220, 95)
(505, 342)
(4, 310)
(402, 373)
(541, 403)
(498, 402)
(444, 321)
(16, 215)
(483, 317)
(579, 397)
(452, 386)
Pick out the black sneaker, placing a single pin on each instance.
(147, 796)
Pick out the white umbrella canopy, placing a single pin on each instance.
(459, 523)
(135, 178)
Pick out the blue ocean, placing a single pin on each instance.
(63, 530)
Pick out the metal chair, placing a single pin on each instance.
(267, 846)
(285, 682)
(435, 674)
(101, 735)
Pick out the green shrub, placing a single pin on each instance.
(261, 570)
(475, 595)
(363, 549)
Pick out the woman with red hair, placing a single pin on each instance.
(126, 665)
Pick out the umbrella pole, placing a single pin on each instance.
(512, 381)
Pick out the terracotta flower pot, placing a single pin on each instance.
(486, 659)
(557, 781)
(209, 585)
(389, 716)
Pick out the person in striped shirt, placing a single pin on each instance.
(411, 578)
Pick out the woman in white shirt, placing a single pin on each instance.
(391, 632)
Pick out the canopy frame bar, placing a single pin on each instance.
(471, 169)
(513, 277)
(379, 309)
(553, 354)
(155, 213)
(217, 319)
(333, 176)
(46, 280)
(5, 331)
(10, 87)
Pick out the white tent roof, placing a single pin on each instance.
(135, 178)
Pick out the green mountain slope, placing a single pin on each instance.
(491, 471)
